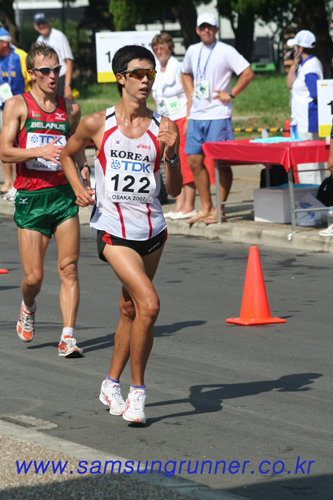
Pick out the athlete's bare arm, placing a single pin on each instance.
(74, 116)
(14, 116)
(168, 136)
(90, 129)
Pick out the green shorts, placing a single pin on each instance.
(45, 209)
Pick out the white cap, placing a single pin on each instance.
(303, 38)
(206, 18)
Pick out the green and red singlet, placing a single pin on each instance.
(39, 129)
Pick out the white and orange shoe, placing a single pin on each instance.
(68, 348)
(26, 324)
(135, 406)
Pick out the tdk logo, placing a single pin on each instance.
(130, 166)
(44, 139)
(115, 164)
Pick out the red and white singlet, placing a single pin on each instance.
(128, 181)
(39, 129)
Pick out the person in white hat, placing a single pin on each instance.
(14, 80)
(58, 40)
(302, 78)
(207, 70)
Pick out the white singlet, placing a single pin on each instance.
(128, 181)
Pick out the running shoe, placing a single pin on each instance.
(110, 396)
(68, 348)
(327, 232)
(26, 324)
(135, 406)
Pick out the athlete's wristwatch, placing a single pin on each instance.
(173, 161)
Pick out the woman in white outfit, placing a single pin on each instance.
(170, 99)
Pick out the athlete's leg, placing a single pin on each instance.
(139, 308)
(67, 236)
(32, 245)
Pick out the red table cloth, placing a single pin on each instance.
(283, 153)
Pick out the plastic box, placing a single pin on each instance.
(272, 204)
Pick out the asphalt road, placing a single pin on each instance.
(215, 392)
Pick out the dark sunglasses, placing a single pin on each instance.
(139, 73)
(45, 70)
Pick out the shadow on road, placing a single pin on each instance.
(209, 398)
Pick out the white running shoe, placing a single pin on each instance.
(26, 324)
(327, 232)
(135, 406)
(68, 348)
(110, 396)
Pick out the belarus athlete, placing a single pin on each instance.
(36, 126)
(131, 230)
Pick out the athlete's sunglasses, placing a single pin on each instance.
(139, 73)
(46, 70)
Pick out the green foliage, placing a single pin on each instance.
(99, 96)
(124, 14)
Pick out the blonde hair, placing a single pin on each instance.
(40, 49)
(163, 38)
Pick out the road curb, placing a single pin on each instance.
(81, 452)
(249, 233)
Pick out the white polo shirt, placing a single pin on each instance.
(215, 64)
(58, 41)
(304, 106)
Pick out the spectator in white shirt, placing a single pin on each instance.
(57, 40)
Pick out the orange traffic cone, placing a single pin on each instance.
(255, 308)
(3, 271)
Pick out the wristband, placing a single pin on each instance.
(85, 166)
(68, 85)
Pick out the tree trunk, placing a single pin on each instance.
(186, 14)
(312, 16)
(244, 36)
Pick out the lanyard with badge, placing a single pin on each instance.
(5, 88)
(202, 85)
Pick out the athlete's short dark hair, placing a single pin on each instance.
(40, 49)
(125, 55)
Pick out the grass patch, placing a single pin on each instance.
(99, 96)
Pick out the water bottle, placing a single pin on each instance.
(293, 128)
(330, 217)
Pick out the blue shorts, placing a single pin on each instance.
(200, 131)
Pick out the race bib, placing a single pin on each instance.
(173, 105)
(128, 181)
(36, 140)
(162, 109)
(5, 92)
(202, 90)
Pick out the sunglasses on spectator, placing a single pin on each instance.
(139, 73)
(46, 70)
(162, 49)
